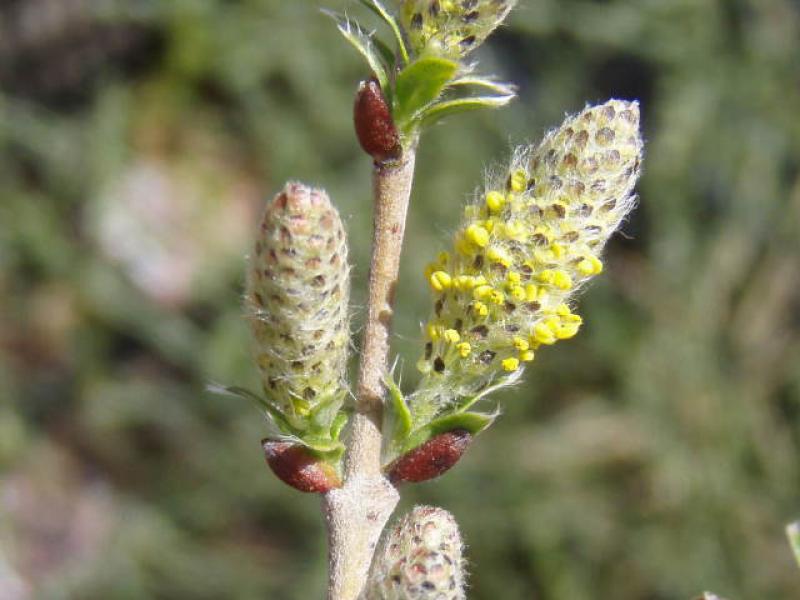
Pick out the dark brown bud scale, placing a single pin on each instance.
(297, 467)
(430, 459)
(374, 125)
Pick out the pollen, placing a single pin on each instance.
(464, 349)
(451, 336)
(495, 201)
(518, 181)
(562, 280)
(531, 292)
(521, 344)
(498, 255)
(440, 280)
(477, 235)
(480, 309)
(526, 356)
(543, 334)
(510, 364)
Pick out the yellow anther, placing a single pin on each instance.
(513, 277)
(464, 283)
(543, 334)
(482, 292)
(480, 309)
(498, 255)
(518, 181)
(596, 263)
(557, 250)
(480, 280)
(495, 201)
(510, 364)
(526, 356)
(443, 258)
(562, 280)
(590, 265)
(464, 246)
(433, 331)
(531, 292)
(518, 293)
(440, 280)
(497, 297)
(562, 310)
(451, 336)
(546, 276)
(489, 225)
(464, 349)
(521, 344)
(572, 318)
(565, 332)
(301, 407)
(477, 235)
(552, 323)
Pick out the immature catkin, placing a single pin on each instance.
(533, 238)
(451, 28)
(420, 559)
(298, 286)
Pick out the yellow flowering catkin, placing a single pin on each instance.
(532, 238)
(451, 28)
(420, 559)
(298, 285)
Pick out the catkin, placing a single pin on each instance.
(532, 238)
(298, 286)
(451, 28)
(420, 559)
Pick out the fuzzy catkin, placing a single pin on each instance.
(298, 287)
(531, 239)
(451, 28)
(420, 559)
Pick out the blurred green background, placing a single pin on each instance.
(653, 457)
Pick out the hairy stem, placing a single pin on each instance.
(357, 513)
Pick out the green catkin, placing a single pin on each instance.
(420, 559)
(298, 286)
(451, 28)
(532, 238)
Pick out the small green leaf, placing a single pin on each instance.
(420, 84)
(338, 424)
(362, 41)
(273, 414)
(378, 8)
(500, 382)
(324, 413)
(322, 445)
(498, 87)
(447, 108)
(398, 414)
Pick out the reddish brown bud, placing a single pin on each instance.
(431, 459)
(299, 468)
(374, 124)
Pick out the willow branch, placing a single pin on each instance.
(357, 513)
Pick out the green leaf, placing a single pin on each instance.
(420, 84)
(324, 413)
(498, 87)
(447, 108)
(338, 424)
(273, 413)
(378, 8)
(362, 41)
(398, 415)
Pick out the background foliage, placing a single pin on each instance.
(652, 457)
